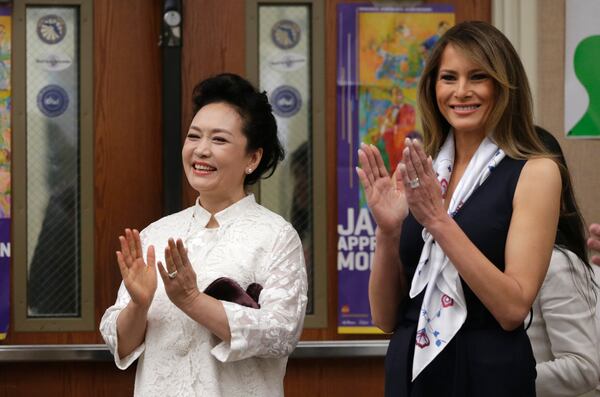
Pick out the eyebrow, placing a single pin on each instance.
(213, 130)
(476, 70)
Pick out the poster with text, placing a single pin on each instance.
(582, 76)
(381, 54)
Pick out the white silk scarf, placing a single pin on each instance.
(444, 309)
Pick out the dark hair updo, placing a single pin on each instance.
(259, 124)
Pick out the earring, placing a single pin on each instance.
(248, 171)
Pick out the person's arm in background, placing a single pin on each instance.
(594, 242)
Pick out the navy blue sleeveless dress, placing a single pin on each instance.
(482, 359)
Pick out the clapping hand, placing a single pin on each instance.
(179, 277)
(139, 278)
(423, 191)
(385, 195)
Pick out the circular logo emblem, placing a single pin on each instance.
(286, 101)
(51, 29)
(52, 100)
(285, 34)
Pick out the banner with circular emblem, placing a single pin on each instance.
(284, 37)
(53, 142)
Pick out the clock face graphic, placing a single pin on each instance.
(51, 29)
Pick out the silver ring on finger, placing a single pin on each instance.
(414, 183)
(172, 275)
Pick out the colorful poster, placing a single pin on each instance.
(582, 80)
(5, 190)
(381, 54)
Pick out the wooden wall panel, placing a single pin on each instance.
(340, 377)
(65, 380)
(469, 10)
(128, 123)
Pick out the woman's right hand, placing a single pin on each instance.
(385, 195)
(139, 278)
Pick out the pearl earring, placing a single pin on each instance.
(248, 171)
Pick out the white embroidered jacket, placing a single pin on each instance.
(179, 357)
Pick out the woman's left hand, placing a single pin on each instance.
(423, 191)
(179, 277)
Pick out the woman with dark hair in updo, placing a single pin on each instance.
(228, 307)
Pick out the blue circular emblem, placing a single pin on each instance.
(285, 34)
(286, 101)
(52, 100)
(51, 29)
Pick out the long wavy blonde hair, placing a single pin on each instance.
(511, 117)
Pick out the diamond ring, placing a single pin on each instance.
(414, 183)
(172, 275)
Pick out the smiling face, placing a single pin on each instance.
(215, 159)
(464, 92)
